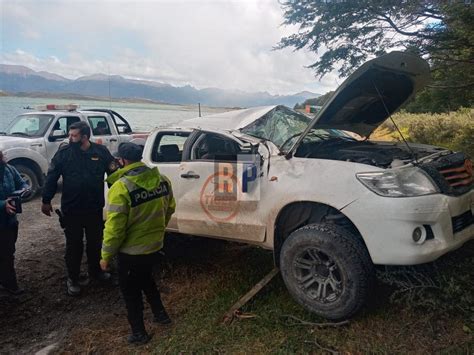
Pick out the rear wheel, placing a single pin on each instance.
(31, 179)
(327, 270)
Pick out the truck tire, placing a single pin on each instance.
(31, 179)
(327, 270)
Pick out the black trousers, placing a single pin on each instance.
(8, 237)
(135, 276)
(75, 226)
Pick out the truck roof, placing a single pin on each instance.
(230, 120)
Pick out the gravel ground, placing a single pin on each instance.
(46, 317)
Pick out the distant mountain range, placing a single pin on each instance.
(20, 79)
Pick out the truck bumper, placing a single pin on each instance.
(387, 226)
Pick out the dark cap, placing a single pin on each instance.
(129, 151)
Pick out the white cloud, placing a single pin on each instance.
(225, 44)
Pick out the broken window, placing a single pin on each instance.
(279, 125)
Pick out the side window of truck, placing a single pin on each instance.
(215, 147)
(168, 147)
(63, 123)
(99, 126)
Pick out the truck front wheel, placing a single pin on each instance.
(327, 270)
(31, 179)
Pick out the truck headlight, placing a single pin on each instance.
(398, 183)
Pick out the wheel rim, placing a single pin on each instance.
(26, 178)
(318, 275)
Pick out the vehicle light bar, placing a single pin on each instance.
(56, 107)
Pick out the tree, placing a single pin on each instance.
(348, 33)
(317, 101)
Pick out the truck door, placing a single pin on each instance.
(61, 124)
(219, 190)
(166, 153)
(102, 132)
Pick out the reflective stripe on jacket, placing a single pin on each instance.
(139, 206)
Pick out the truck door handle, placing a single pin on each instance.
(113, 140)
(190, 175)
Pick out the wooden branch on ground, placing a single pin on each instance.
(229, 316)
(320, 325)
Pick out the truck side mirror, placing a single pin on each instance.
(57, 134)
(246, 148)
(124, 129)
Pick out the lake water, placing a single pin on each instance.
(141, 116)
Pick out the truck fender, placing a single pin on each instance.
(24, 153)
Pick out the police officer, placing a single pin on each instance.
(82, 165)
(139, 206)
(10, 181)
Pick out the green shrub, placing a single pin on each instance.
(454, 130)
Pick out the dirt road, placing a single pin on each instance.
(45, 315)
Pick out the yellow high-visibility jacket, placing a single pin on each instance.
(139, 206)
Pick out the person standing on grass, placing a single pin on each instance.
(82, 164)
(10, 180)
(139, 206)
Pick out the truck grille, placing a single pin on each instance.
(452, 173)
(462, 221)
(459, 175)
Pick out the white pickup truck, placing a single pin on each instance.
(329, 206)
(31, 139)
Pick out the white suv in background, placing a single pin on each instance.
(31, 139)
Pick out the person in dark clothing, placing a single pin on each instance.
(82, 165)
(10, 180)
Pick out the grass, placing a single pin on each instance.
(387, 325)
(427, 309)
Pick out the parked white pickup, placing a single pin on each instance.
(31, 140)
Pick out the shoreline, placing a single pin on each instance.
(43, 95)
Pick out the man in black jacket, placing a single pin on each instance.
(82, 164)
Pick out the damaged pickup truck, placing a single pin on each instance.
(330, 206)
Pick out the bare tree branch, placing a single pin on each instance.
(321, 325)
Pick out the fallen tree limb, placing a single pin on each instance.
(320, 325)
(231, 313)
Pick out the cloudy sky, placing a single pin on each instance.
(203, 43)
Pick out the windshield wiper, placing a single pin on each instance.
(3, 133)
(20, 134)
(344, 138)
(317, 135)
(289, 139)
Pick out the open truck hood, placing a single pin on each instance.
(371, 94)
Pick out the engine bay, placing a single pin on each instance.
(379, 154)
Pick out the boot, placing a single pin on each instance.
(83, 280)
(139, 338)
(162, 318)
(73, 288)
(100, 276)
